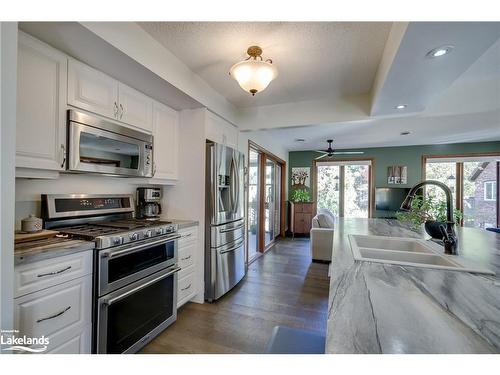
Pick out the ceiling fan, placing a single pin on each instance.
(329, 152)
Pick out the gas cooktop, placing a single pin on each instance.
(118, 232)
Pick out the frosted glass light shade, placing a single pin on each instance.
(252, 75)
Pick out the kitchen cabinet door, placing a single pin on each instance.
(166, 143)
(135, 108)
(92, 90)
(41, 106)
(220, 131)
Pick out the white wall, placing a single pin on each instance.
(8, 74)
(186, 200)
(28, 191)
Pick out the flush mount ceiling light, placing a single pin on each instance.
(254, 73)
(401, 106)
(439, 51)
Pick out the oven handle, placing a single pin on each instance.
(110, 301)
(116, 253)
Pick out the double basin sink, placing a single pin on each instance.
(408, 252)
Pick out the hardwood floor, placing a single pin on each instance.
(282, 287)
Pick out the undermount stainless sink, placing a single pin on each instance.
(408, 252)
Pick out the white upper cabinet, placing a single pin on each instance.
(92, 90)
(41, 106)
(135, 108)
(166, 142)
(96, 92)
(219, 130)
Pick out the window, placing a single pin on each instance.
(490, 190)
(473, 180)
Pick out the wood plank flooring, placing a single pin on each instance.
(282, 287)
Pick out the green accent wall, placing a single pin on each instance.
(384, 157)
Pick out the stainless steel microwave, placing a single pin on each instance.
(99, 146)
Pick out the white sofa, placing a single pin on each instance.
(322, 235)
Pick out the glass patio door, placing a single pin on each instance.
(253, 203)
(344, 188)
(270, 202)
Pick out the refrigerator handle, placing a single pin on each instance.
(237, 184)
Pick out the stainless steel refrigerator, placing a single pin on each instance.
(224, 221)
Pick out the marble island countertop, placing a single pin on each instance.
(385, 308)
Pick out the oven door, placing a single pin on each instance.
(123, 265)
(98, 150)
(132, 316)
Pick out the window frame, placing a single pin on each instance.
(493, 189)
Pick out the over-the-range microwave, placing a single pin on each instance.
(99, 146)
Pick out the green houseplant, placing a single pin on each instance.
(300, 195)
(428, 211)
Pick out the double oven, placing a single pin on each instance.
(135, 267)
(137, 294)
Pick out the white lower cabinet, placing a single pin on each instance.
(61, 312)
(187, 245)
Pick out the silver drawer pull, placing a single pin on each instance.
(187, 235)
(186, 288)
(54, 316)
(54, 273)
(231, 229)
(186, 258)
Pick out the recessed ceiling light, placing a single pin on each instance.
(401, 106)
(404, 133)
(300, 140)
(439, 51)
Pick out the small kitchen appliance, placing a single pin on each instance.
(148, 203)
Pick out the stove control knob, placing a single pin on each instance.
(117, 240)
(159, 231)
(148, 233)
(134, 236)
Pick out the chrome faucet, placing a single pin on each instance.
(450, 240)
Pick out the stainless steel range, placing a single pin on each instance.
(135, 266)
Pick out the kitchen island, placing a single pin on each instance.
(385, 308)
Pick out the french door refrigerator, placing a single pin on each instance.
(224, 221)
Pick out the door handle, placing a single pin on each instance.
(232, 249)
(110, 301)
(115, 110)
(121, 111)
(231, 229)
(63, 151)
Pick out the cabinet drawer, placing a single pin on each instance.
(185, 289)
(55, 311)
(188, 235)
(76, 341)
(36, 276)
(186, 255)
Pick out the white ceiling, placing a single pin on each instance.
(476, 127)
(315, 60)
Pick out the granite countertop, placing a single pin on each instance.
(384, 308)
(181, 222)
(33, 251)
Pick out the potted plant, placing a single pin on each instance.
(428, 211)
(300, 195)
